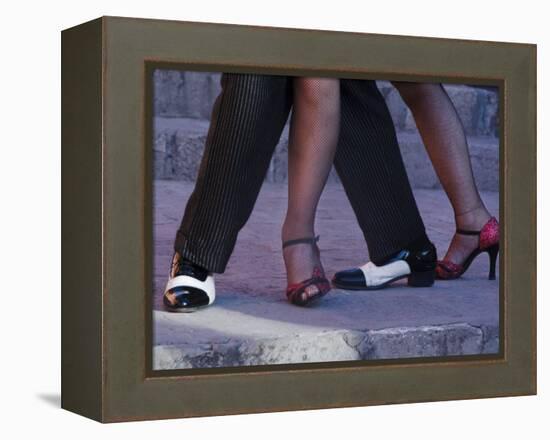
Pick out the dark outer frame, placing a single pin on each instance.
(106, 192)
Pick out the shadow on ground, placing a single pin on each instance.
(52, 399)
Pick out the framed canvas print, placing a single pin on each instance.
(264, 219)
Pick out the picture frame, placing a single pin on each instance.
(106, 219)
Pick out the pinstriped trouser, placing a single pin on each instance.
(247, 121)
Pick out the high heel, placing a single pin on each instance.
(493, 253)
(488, 242)
(301, 294)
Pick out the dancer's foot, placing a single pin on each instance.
(189, 287)
(463, 245)
(416, 263)
(305, 275)
(487, 240)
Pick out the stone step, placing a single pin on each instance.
(476, 106)
(179, 144)
(305, 346)
(191, 95)
(179, 94)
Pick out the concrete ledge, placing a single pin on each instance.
(327, 346)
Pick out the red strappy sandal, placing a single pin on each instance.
(308, 291)
(488, 242)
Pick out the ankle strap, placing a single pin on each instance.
(466, 232)
(309, 240)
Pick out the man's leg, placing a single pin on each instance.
(247, 121)
(369, 163)
(246, 124)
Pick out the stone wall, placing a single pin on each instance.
(179, 94)
(183, 104)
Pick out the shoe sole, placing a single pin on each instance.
(417, 283)
(185, 309)
(379, 287)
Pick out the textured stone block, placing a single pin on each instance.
(189, 94)
(179, 144)
(184, 94)
(329, 346)
(477, 108)
(422, 341)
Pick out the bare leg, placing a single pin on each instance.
(445, 141)
(313, 138)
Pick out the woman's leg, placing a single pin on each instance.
(313, 138)
(445, 140)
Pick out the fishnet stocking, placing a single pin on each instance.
(314, 129)
(445, 141)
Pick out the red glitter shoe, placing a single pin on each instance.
(488, 242)
(308, 291)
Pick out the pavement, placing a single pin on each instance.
(251, 322)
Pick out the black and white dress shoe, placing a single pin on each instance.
(189, 287)
(416, 264)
